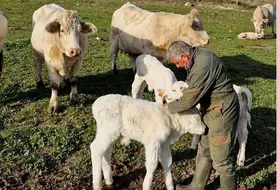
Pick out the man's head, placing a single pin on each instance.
(180, 53)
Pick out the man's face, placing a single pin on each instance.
(182, 62)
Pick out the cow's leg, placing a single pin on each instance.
(38, 61)
(1, 61)
(55, 79)
(151, 155)
(194, 143)
(166, 161)
(114, 50)
(74, 97)
(133, 61)
(242, 139)
(138, 87)
(272, 28)
(106, 167)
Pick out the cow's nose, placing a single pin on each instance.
(75, 52)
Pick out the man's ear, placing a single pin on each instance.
(88, 28)
(161, 92)
(53, 27)
(172, 59)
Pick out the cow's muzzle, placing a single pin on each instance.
(73, 52)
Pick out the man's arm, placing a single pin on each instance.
(199, 83)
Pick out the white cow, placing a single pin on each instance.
(59, 39)
(136, 31)
(262, 16)
(143, 121)
(3, 34)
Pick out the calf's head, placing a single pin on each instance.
(192, 30)
(175, 92)
(192, 121)
(68, 27)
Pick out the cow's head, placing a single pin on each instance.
(68, 27)
(173, 93)
(259, 24)
(192, 30)
(259, 19)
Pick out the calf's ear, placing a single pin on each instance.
(88, 28)
(161, 92)
(53, 27)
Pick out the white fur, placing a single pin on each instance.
(152, 73)
(62, 52)
(3, 29)
(245, 102)
(136, 31)
(143, 121)
(250, 35)
(262, 16)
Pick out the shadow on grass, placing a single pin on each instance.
(94, 85)
(240, 68)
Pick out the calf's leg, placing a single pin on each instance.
(152, 156)
(166, 161)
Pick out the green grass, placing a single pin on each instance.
(38, 150)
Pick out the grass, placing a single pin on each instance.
(40, 151)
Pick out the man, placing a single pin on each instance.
(209, 85)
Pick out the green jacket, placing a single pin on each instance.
(209, 83)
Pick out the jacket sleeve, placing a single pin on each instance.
(199, 83)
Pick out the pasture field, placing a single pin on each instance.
(42, 151)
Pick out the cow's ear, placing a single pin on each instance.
(265, 21)
(53, 27)
(192, 15)
(88, 28)
(253, 20)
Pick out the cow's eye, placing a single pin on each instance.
(181, 88)
(62, 31)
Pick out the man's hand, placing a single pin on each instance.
(165, 107)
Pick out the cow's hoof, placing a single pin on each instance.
(240, 163)
(74, 99)
(40, 85)
(115, 71)
(52, 109)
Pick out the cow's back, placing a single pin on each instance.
(46, 13)
(271, 13)
(144, 32)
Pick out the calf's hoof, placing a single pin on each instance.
(52, 109)
(115, 71)
(74, 99)
(240, 163)
(40, 85)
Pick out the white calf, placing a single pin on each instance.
(250, 35)
(152, 73)
(143, 121)
(245, 102)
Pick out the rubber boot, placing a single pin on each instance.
(228, 181)
(201, 176)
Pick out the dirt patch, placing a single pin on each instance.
(264, 46)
